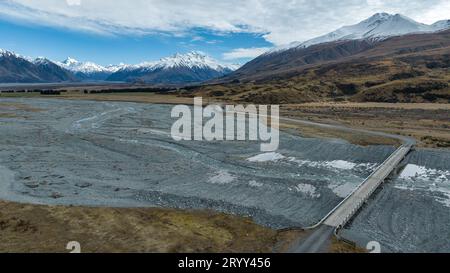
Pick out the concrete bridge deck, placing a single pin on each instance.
(319, 240)
(349, 206)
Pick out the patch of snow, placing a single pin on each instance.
(341, 164)
(307, 189)
(415, 177)
(272, 156)
(412, 170)
(335, 164)
(342, 190)
(416, 172)
(255, 184)
(222, 177)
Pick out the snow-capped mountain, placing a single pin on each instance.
(194, 59)
(378, 27)
(5, 53)
(441, 25)
(87, 67)
(378, 35)
(18, 69)
(89, 70)
(179, 68)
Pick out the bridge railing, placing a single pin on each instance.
(357, 188)
(364, 199)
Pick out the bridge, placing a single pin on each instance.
(347, 208)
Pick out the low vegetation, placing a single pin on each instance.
(427, 123)
(388, 80)
(35, 228)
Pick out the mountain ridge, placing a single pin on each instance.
(15, 68)
(345, 42)
(407, 68)
(377, 27)
(178, 68)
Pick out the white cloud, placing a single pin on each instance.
(243, 53)
(281, 22)
(73, 2)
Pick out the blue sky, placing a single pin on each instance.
(60, 43)
(232, 31)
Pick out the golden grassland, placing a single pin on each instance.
(393, 80)
(38, 228)
(26, 228)
(352, 137)
(337, 246)
(428, 123)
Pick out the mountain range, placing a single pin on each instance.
(343, 42)
(386, 58)
(17, 69)
(378, 27)
(86, 71)
(193, 67)
(382, 36)
(179, 68)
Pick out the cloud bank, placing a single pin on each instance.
(244, 53)
(280, 22)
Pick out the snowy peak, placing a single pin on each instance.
(70, 62)
(380, 18)
(3, 52)
(441, 25)
(10, 54)
(73, 65)
(177, 69)
(6, 53)
(380, 25)
(377, 27)
(41, 61)
(386, 25)
(180, 68)
(191, 60)
(20, 69)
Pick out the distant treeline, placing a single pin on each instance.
(40, 91)
(106, 91)
(131, 90)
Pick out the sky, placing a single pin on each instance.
(232, 31)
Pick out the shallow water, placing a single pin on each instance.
(121, 154)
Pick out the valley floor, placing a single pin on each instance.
(35, 228)
(426, 122)
(39, 228)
